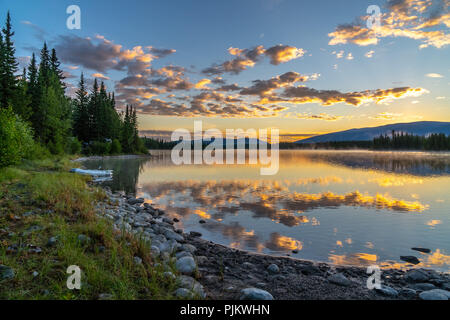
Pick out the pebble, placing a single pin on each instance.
(339, 279)
(273, 269)
(83, 239)
(410, 259)
(387, 291)
(105, 296)
(423, 286)
(6, 272)
(186, 265)
(424, 250)
(408, 293)
(137, 260)
(416, 276)
(255, 294)
(52, 241)
(435, 294)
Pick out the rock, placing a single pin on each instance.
(202, 221)
(52, 241)
(416, 276)
(310, 270)
(105, 296)
(182, 254)
(191, 284)
(83, 239)
(424, 250)
(339, 279)
(248, 265)
(169, 275)
(183, 293)
(255, 294)
(171, 235)
(273, 269)
(175, 220)
(136, 201)
(101, 249)
(410, 259)
(195, 234)
(423, 286)
(435, 294)
(295, 251)
(186, 265)
(35, 274)
(137, 260)
(387, 291)
(446, 286)
(188, 247)
(408, 293)
(6, 272)
(155, 252)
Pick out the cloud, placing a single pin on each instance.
(369, 54)
(101, 54)
(404, 18)
(202, 84)
(301, 94)
(100, 76)
(282, 53)
(388, 116)
(245, 58)
(434, 75)
(321, 116)
(349, 56)
(39, 32)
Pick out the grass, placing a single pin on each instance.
(40, 200)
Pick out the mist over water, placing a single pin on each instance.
(345, 207)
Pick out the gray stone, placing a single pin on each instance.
(171, 235)
(416, 276)
(191, 284)
(424, 250)
(186, 265)
(183, 293)
(255, 294)
(423, 286)
(52, 241)
(188, 247)
(137, 260)
(339, 279)
(105, 296)
(136, 201)
(35, 274)
(83, 239)
(154, 251)
(6, 272)
(387, 291)
(169, 275)
(408, 293)
(182, 254)
(273, 268)
(410, 259)
(435, 294)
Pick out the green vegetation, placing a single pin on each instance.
(405, 141)
(38, 201)
(34, 104)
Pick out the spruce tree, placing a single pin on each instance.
(9, 65)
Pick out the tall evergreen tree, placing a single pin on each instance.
(9, 64)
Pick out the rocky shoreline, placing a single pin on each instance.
(207, 270)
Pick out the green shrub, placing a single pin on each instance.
(100, 148)
(116, 148)
(16, 138)
(74, 146)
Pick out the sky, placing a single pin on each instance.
(303, 67)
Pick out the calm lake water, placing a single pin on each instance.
(343, 207)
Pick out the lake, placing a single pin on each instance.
(342, 207)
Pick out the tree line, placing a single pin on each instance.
(37, 118)
(406, 141)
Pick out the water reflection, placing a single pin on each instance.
(343, 207)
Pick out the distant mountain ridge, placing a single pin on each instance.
(421, 128)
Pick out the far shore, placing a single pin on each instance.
(122, 156)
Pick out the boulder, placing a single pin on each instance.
(255, 294)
